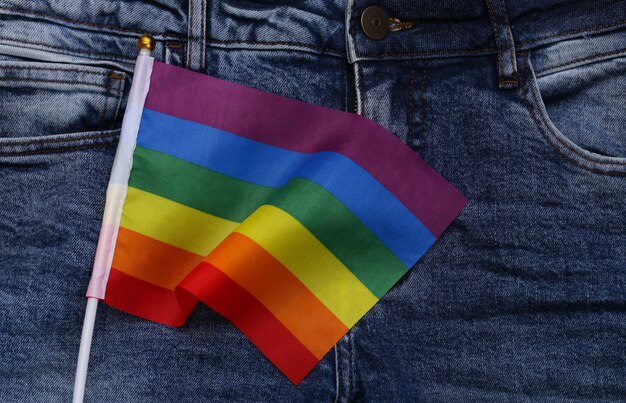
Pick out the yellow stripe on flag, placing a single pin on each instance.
(315, 266)
(174, 223)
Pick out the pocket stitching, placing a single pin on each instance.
(56, 150)
(598, 56)
(556, 136)
(67, 51)
(110, 74)
(99, 80)
(38, 80)
(29, 13)
(546, 121)
(119, 90)
(576, 31)
(560, 153)
(94, 136)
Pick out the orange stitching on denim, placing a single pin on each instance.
(89, 24)
(584, 59)
(90, 136)
(575, 31)
(67, 51)
(56, 150)
(116, 77)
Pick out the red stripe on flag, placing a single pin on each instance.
(148, 301)
(270, 336)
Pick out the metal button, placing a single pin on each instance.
(375, 22)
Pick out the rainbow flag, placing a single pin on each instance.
(291, 220)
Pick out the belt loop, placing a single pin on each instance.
(196, 35)
(507, 65)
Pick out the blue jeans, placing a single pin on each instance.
(519, 105)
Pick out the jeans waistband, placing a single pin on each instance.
(449, 28)
(183, 29)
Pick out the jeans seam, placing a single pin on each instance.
(89, 24)
(416, 136)
(120, 89)
(38, 80)
(92, 136)
(55, 150)
(110, 75)
(432, 53)
(435, 53)
(512, 42)
(339, 370)
(358, 95)
(496, 35)
(190, 32)
(203, 33)
(584, 59)
(106, 101)
(410, 106)
(288, 43)
(63, 50)
(352, 25)
(422, 110)
(350, 365)
(544, 118)
(574, 31)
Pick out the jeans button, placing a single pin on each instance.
(375, 22)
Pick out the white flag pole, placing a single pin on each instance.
(115, 196)
(85, 348)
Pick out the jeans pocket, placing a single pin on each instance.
(578, 104)
(55, 107)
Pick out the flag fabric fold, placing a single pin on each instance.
(289, 219)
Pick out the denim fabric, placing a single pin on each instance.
(522, 299)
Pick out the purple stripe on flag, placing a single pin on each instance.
(298, 126)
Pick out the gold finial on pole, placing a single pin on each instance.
(146, 42)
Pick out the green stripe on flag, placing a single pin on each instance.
(195, 186)
(319, 211)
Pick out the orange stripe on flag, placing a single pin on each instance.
(250, 266)
(153, 261)
(260, 274)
